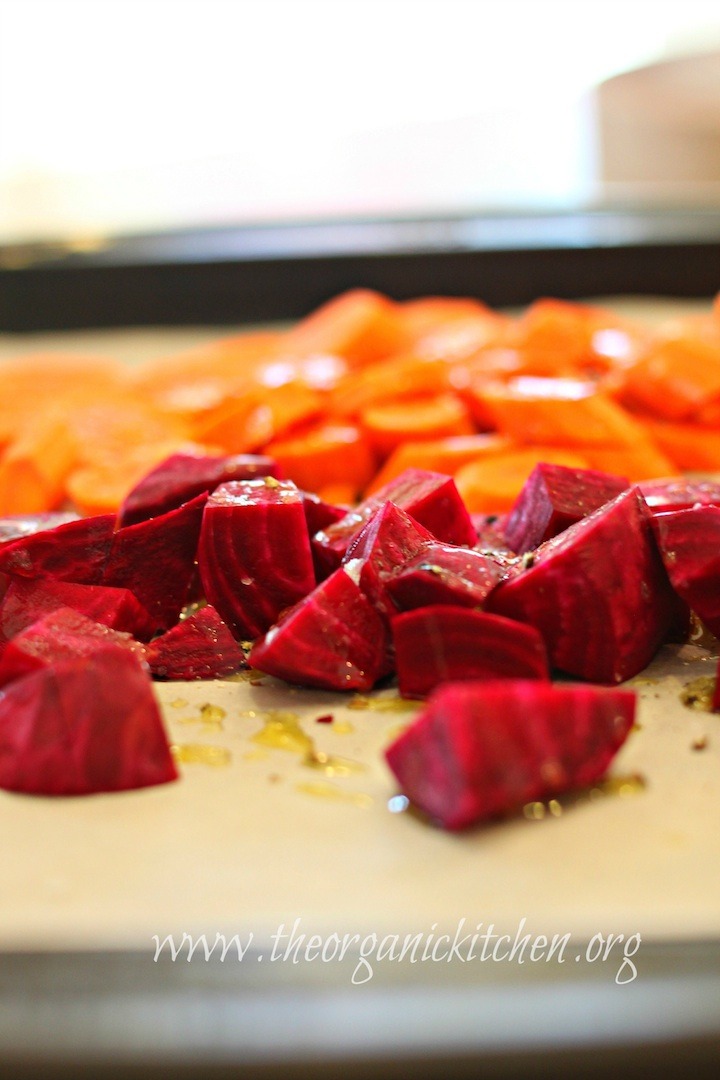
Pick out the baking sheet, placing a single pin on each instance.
(284, 854)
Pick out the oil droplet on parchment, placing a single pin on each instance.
(623, 786)
(382, 704)
(322, 790)
(282, 730)
(200, 754)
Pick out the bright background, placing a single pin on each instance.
(128, 115)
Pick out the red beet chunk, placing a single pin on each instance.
(333, 639)
(155, 559)
(199, 647)
(430, 498)
(60, 635)
(490, 539)
(75, 550)
(598, 593)
(553, 498)
(679, 493)
(83, 726)
(318, 513)
(480, 750)
(689, 542)
(27, 600)
(389, 539)
(182, 477)
(17, 526)
(447, 644)
(254, 554)
(445, 574)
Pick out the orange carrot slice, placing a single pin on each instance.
(389, 425)
(324, 456)
(675, 379)
(689, 447)
(360, 325)
(34, 467)
(439, 455)
(393, 379)
(558, 412)
(245, 423)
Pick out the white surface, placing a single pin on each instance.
(245, 847)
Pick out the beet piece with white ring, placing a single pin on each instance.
(431, 498)
(447, 574)
(62, 634)
(199, 647)
(597, 592)
(155, 559)
(443, 643)
(83, 726)
(333, 639)
(554, 497)
(481, 750)
(184, 476)
(254, 554)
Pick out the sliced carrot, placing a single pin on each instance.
(104, 430)
(452, 329)
(326, 455)
(558, 412)
(388, 426)
(561, 337)
(338, 494)
(42, 380)
(438, 455)
(226, 360)
(393, 379)
(689, 447)
(34, 467)
(360, 325)
(675, 379)
(641, 460)
(491, 485)
(246, 422)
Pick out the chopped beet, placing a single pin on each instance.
(199, 647)
(480, 750)
(598, 593)
(254, 553)
(430, 498)
(17, 526)
(82, 726)
(445, 574)
(447, 644)
(183, 476)
(679, 493)
(490, 539)
(388, 540)
(553, 498)
(75, 550)
(318, 513)
(62, 634)
(689, 542)
(333, 639)
(155, 559)
(26, 600)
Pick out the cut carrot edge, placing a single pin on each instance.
(436, 382)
